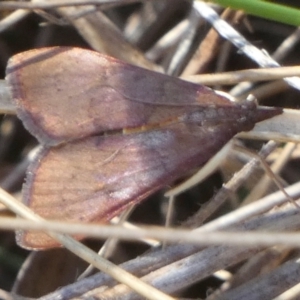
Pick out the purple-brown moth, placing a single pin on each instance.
(112, 133)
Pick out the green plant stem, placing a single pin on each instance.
(271, 11)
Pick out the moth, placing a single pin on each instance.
(112, 133)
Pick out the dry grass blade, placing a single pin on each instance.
(252, 75)
(85, 253)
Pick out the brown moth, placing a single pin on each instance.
(112, 133)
